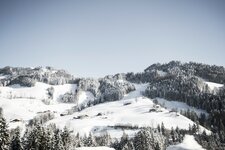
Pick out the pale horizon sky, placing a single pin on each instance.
(94, 38)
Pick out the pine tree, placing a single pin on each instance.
(78, 141)
(4, 134)
(158, 127)
(123, 139)
(173, 134)
(115, 144)
(140, 141)
(107, 139)
(104, 140)
(90, 140)
(25, 140)
(45, 139)
(194, 128)
(16, 143)
(66, 138)
(128, 145)
(57, 143)
(157, 147)
(36, 137)
(124, 142)
(163, 128)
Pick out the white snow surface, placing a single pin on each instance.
(129, 112)
(140, 88)
(26, 109)
(179, 106)
(24, 103)
(94, 148)
(84, 97)
(214, 86)
(161, 73)
(39, 91)
(189, 143)
(3, 76)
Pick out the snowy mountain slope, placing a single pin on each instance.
(131, 112)
(139, 90)
(189, 143)
(25, 103)
(39, 91)
(214, 87)
(26, 109)
(84, 97)
(179, 106)
(116, 103)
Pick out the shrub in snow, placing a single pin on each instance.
(50, 92)
(68, 98)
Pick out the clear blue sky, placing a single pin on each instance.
(99, 37)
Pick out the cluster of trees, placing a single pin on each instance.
(211, 73)
(210, 142)
(184, 83)
(109, 88)
(46, 138)
(28, 76)
(187, 90)
(50, 137)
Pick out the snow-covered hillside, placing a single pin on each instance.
(39, 91)
(131, 112)
(213, 87)
(189, 143)
(128, 115)
(24, 103)
(179, 106)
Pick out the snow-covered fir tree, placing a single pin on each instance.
(4, 134)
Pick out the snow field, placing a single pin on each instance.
(189, 143)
